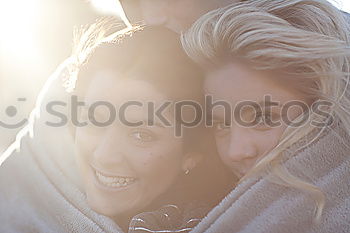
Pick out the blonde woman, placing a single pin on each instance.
(284, 67)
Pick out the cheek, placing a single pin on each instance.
(85, 146)
(85, 143)
(222, 145)
(155, 163)
(269, 139)
(83, 149)
(157, 171)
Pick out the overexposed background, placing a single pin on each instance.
(342, 4)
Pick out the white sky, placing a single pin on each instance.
(342, 4)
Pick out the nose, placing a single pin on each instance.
(241, 146)
(154, 12)
(107, 154)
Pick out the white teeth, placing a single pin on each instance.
(114, 181)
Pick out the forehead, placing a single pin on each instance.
(236, 82)
(108, 86)
(120, 92)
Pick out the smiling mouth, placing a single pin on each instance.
(114, 181)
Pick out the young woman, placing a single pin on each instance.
(72, 177)
(284, 68)
(128, 170)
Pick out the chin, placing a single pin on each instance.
(237, 173)
(102, 207)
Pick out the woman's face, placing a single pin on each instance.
(241, 145)
(125, 168)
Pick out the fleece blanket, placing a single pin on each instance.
(259, 205)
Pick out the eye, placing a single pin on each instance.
(260, 118)
(143, 136)
(263, 120)
(220, 128)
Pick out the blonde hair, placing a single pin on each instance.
(308, 39)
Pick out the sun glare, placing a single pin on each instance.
(26, 20)
(344, 5)
(18, 23)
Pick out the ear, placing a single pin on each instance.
(191, 160)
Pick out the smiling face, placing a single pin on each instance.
(239, 146)
(177, 15)
(125, 168)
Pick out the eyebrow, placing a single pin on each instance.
(263, 104)
(88, 104)
(145, 122)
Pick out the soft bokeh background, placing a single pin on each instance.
(35, 36)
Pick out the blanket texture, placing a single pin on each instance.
(259, 205)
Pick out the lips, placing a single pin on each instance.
(114, 181)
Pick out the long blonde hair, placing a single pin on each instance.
(308, 39)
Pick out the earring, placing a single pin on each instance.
(187, 172)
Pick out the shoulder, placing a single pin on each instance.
(21, 195)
